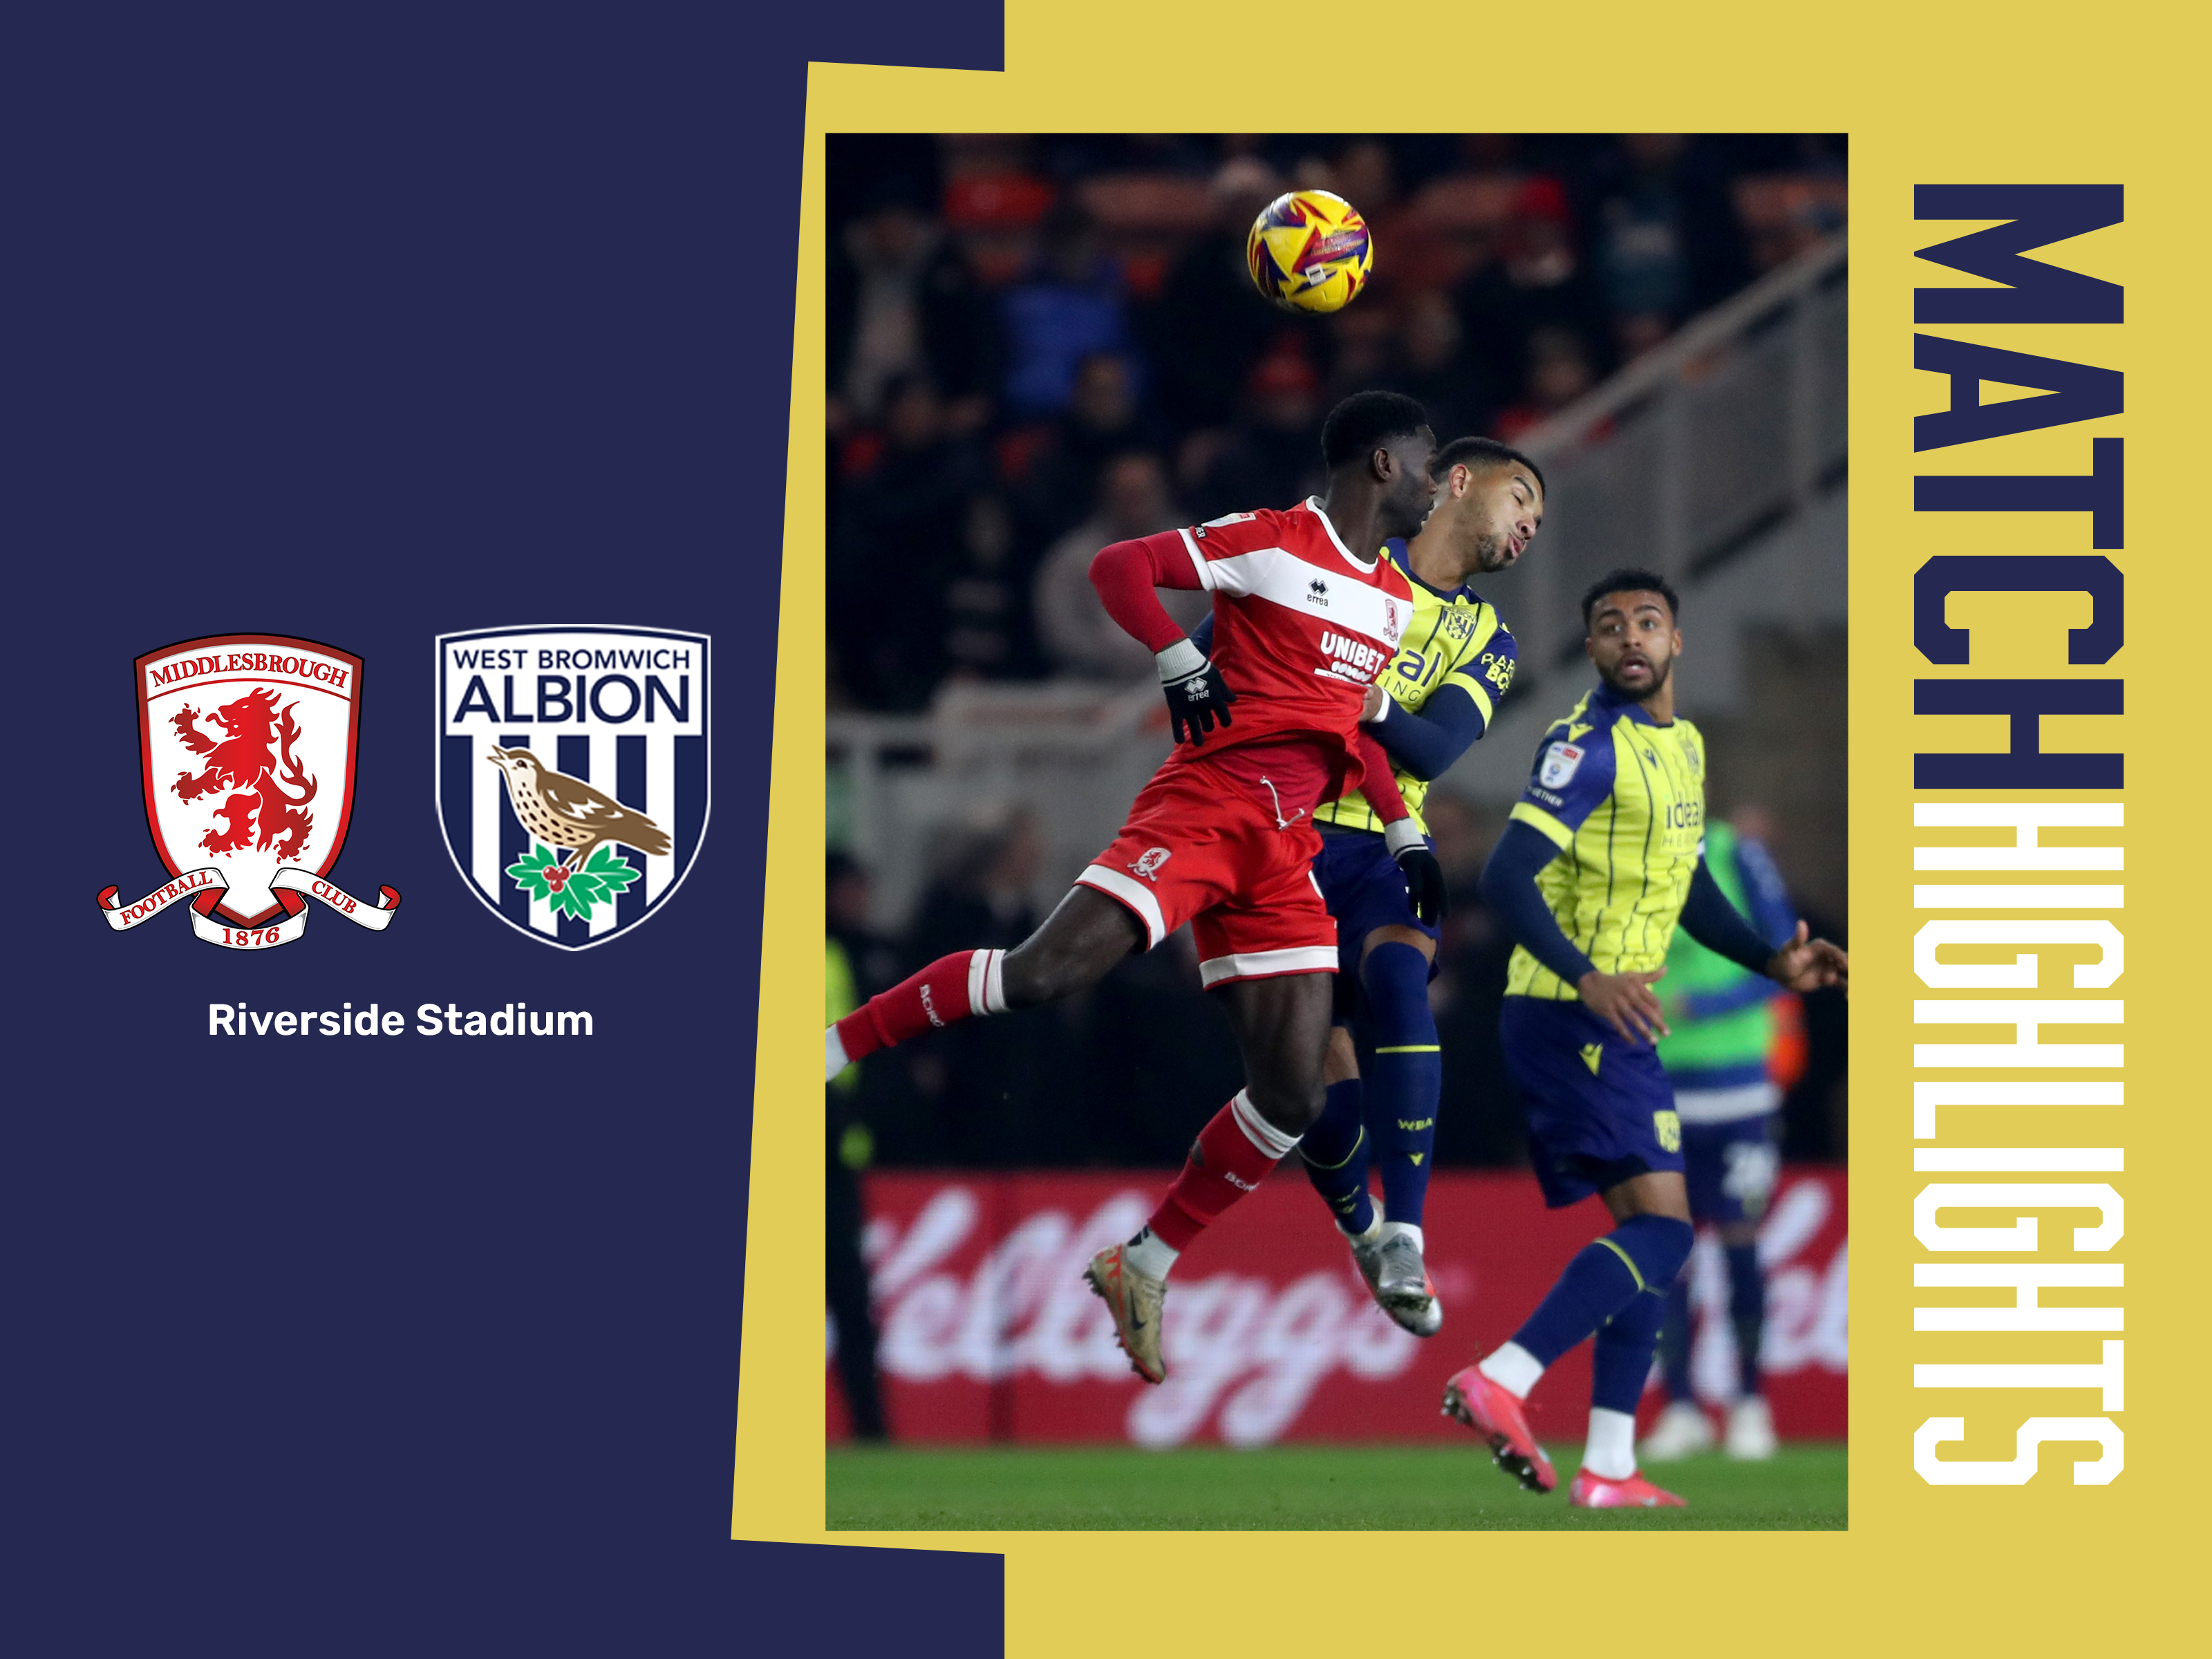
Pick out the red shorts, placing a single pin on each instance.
(1199, 849)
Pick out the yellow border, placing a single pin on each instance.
(2023, 93)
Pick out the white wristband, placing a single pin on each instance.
(1179, 661)
(1383, 713)
(1402, 834)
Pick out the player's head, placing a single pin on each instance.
(1630, 631)
(1489, 502)
(1383, 439)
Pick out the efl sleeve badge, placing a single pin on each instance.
(1561, 762)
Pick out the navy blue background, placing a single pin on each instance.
(363, 329)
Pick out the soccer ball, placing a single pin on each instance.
(1310, 251)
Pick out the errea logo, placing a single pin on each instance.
(1317, 593)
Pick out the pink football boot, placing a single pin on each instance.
(1497, 1416)
(1594, 1492)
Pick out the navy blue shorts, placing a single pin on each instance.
(1600, 1110)
(1364, 889)
(1732, 1168)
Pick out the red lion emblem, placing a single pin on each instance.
(256, 761)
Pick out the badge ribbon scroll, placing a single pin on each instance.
(202, 888)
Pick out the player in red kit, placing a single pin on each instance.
(1306, 613)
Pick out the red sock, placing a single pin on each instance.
(951, 988)
(1230, 1158)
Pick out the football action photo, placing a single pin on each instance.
(1335, 650)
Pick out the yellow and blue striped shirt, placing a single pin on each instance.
(1624, 799)
(1455, 639)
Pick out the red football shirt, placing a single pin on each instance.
(1301, 626)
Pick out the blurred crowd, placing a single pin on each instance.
(1119, 1076)
(1040, 344)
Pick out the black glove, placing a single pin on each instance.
(1424, 877)
(1197, 696)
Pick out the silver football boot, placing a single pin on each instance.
(1398, 1280)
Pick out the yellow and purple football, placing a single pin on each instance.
(1310, 251)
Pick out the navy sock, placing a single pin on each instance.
(1674, 1339)
(1620, 1359)
(1606, 1274)
(1406, 1077)
(1335, 1154)
(1747, 1309)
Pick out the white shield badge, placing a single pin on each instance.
(247, 745)
(572, 772)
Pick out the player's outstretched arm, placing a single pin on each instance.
(1803, 963)
(1427, 743)
(1806, 963)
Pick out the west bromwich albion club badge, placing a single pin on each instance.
(247, 745)
(572, 772)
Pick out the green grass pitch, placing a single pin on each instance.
(1391, 1488)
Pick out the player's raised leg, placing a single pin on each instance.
(1611, 1289)
(1336, 1150)
(1404, 1084)
(1282, 1026)
(1388, 1115)
(1076, 946)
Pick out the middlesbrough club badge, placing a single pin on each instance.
(247, 745)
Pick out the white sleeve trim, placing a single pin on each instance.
(1198, 560)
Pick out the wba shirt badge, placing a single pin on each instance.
(572, 772)
(247, 745)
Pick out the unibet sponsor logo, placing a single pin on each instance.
(1353, 658)
(1593, 1053)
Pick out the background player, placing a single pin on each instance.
(1717, 1057)
(1600, 859)
(1222, 835)
(1432, 702)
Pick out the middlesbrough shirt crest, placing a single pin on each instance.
(572, 772)
(247, 745)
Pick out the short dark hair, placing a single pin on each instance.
(1366, 422)
(1630, 579)
(1481, 452)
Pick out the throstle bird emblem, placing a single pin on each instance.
(572, 772)
(569, 813)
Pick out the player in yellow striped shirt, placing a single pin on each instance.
(1604, 854)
